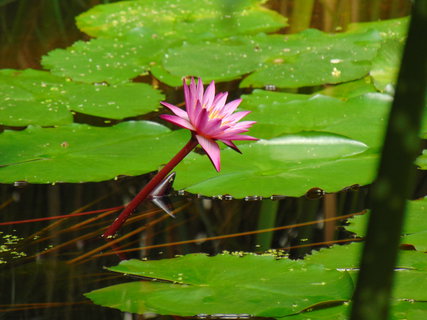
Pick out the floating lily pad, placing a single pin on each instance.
(102, 60)
(80, 153)
(239, 284)
(32, 97)
(115, 101)
(388, 29)
(224, 284)
(350, 89)
(280, 113)
(415, 229)
(313, 58)
(422, 159)
(348, 257)
(134, 35)
(386, 65)
(190, 19)
(40, 98)
(287, 165)
(225, 59)
(409, 310)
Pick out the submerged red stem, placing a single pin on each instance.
(142, 195)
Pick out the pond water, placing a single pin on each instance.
(47, 266)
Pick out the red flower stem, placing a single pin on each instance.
(142, 195)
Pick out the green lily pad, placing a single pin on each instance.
(388, 29)
(288, 165)
(102, 60)
(422, 159)
(408, 310)
(313, 58)
(386, 65)
(350, 89)
(415, 229)
(80, 153)
(32, 97)
(224, 284)
(134, 35)
(115, 101)
(348, 257)
(277, 60)
(40, 98)
(191, 19)
(280, 113)
(232, 58)
(259, 285)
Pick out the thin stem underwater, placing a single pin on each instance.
(145, 192)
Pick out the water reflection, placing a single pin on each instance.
(47, 265)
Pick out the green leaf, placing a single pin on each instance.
(226, 59)
(288, 165)
(313, 58)
(350, 89)
(348, 257)
(337, 313)
(190, 19)
(386, 65)
(135, 35)
(410, 284)
(224, 284)
(102, 60)
(115, 101)
(40, 98)
(388, 29)
(415, 229)
(80, 153)
(422, 159)
(32, 97)
(279, 113)
(409, 310)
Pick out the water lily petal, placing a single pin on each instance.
(209, 95)
(201, 118)
(187, 95)
(212, 150)
(199, 90)
(178, 111)
(233, 118)
(178, 121)
(231, 145)
(218, 104)
(230, 107)
(212, 127)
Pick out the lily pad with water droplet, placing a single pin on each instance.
(287, 165)
(226, 59)
(102, 60)
(350, 89)
(190, 19)
(414, 231)
(348, 257)
(226, 284)
(410, 310)
(80, 153)
(34, 97)
(279, 113)
(388, 29)
(313, 58)
(386, 65)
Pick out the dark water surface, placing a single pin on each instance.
(47, 266)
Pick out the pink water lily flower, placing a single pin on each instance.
(210, 119)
